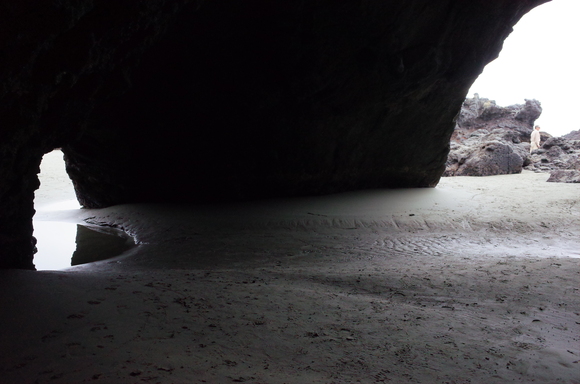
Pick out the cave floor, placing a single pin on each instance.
(475, 281)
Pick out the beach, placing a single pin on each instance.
(474, 281)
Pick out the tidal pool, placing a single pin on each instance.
(62, 245)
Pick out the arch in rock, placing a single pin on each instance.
(237, 99)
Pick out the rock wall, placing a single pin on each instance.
(227, 100)
(58, 61)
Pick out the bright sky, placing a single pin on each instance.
(540, 60)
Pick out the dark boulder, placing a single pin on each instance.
(487, 154)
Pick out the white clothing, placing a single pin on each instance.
(535, 140)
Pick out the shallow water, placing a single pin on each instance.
(61, 245)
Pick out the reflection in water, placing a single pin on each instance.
(55, 244)
(61, 245)
(99, 243)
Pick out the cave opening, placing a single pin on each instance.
(548, 31)
(54, 203)
(62, 242)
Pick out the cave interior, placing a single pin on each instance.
(220, 101)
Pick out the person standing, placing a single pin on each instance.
(535, 139)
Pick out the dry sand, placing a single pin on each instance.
(475, 281)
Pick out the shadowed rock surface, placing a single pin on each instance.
(189, 101)
(94, 243)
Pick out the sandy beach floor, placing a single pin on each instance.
(475, 281)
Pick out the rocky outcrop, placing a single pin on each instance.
(481, 113)
(564, 176)
(192, 101)
(557, 154)
(574, 135)
(486, 153)
(491, 140)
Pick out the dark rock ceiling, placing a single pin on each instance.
(189, 101)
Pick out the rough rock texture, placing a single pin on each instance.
(557, 154)
(225, 100)
(574, 135)
(491, 140)
(485, 154)
(481, 113)
(564, 176)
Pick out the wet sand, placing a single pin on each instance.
(475, 281)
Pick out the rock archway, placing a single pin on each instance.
(228, 100)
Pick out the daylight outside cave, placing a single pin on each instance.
(538, 61)
(62, 241)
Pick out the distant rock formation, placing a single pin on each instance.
(491, 140)
(574, 135)
(560, 157)
(564, 176)
(480, 113)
